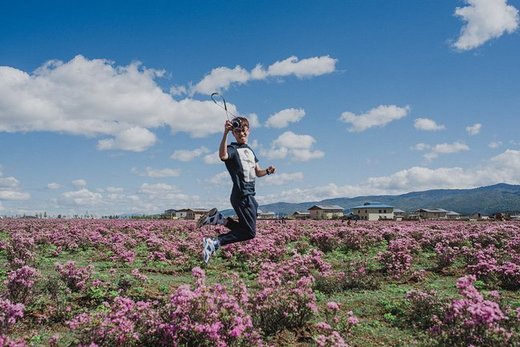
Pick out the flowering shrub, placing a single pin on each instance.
(122, 323)
(9, 314)
(20, 283)
(20, 250)
(471, 320)
(397, 260)
(423, 308)
(74, 277)
(206, 316)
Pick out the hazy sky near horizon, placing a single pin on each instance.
(105, 106)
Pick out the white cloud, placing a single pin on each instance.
(298, 147)
(474, 129)
(445, 148)
(115, 190)
(188, 155)
(135, 139)
(13, 195)
(315, 66)
(157, 173)
(212, 158)
(376, 117)
(485, 20)
(54, 185)
(501, 168)
(96, 98)
(285, 117)
(81, 198)
(495, 144)
(79, 183)
(427, 124)
(222, 78)
(220, 179)
(8, 182)
(279, 179)
(9, 189)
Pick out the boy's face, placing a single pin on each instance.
(241, 134)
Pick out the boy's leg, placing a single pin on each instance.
(245, 229)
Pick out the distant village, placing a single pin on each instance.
(369, 211)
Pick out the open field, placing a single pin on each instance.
(302, 283)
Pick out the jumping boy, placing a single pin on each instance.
(243, 168)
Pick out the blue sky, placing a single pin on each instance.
(105, 107)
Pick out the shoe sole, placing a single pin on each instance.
(200, 221)
(205, 246)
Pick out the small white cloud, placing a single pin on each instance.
(79, 183)
(220, 179)
(298, 147)
(427, 125)
(54, 185)
(82, 197)
(135, 139)
(14, 195)
(376, 117)
(212, 158)
(157, 173)
(188, 155)
(280, 179)
(285, 117)
(446, 148)
(421, 147)
(115, 190)
(474, 129)
(495, 144)
(485, 20)
(222, 78)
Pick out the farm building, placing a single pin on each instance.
(325, 211)
(301, 215)
(432, 213)
(452, 215)
(189, 213)
(373, 211)
(266, 215)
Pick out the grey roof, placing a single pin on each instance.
(326, 207)
(433, 210)
(368, 205)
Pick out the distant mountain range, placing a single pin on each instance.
(485, 200)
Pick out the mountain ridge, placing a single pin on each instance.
(501, 197)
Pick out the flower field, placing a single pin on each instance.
(301, 283)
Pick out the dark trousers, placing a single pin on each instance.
(245, 229)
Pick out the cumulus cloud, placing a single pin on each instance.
(189, 155)
(441, 148)
(222, 78)
(10, 188)
(79, 183)
(81, 198)
(285, 117)
(53, 185)
(376, 117)
(495, 144)
(212, 158)
(135, 139)
(297, 147)
(427, 124)
(96, 98)
(501, 168)
(474, 129)
(283, 178)
(157, 173)
(485, 20)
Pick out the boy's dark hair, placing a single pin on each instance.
(242, 121)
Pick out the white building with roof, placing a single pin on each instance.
(432, 213)
(373, 211)
(326, 211)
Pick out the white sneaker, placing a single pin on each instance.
(210, 217)
(208, 248)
